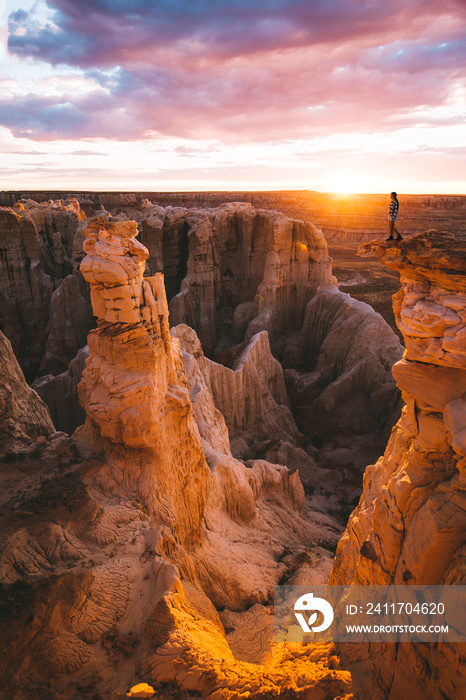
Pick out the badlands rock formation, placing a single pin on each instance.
(230, 273)
(148, 552)
(234, 272)
(347, 219)
(410, 524)
(343, 388)
(255, 419)
(247, 271)
(60, 393)
(22, 412)
(252, 396)
(46, 325)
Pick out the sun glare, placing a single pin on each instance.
(345, 183)
(341, 184)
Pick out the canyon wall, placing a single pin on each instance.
(248, 271)
(230, 272)
(22, 412)
(409, 526)
(140, 549)
(145, 548)
(43, 310)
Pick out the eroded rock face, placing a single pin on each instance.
(409, 526)
(60, 393)
(22, 412)
(232, 273)
(139, 535)
(131, 370)
(251, 396)
(36, 244)
(250, 271)
(430, 306)
(70, 318)
(343, 389)
(148, 522)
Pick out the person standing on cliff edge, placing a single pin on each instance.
(392, 213)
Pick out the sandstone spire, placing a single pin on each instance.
(130, 379)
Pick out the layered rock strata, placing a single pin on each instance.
(151, 526)
(249, 270)
(70, 319)
(252, 395)
(227, 266)
(342, 392)
(410, 524)
(252, 403)
(131, 350)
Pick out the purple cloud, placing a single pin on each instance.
(247, 69)
(101, 32)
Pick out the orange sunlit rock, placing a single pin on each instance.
(155, 528)
(411, 516)
(141, 690)
(130, 380)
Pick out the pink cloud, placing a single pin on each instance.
(256, 70)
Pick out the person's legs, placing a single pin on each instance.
(392, 228)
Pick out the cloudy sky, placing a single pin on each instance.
(351, 95)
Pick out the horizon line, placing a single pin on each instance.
(70, 190)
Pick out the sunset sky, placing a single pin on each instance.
(350, 95)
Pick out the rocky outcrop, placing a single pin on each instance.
(130, 352)
(36, 245)
(230, 266)
(231, 273)
(248, 270)
(252, 395)
(251, 271)
(409, 526)
(235, 272)
(23, 414)
(149, 526)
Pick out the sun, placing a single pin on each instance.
(344, 183)
(340, 184)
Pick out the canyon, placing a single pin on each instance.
(343, 218)
(230, 399)
(230, 273)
